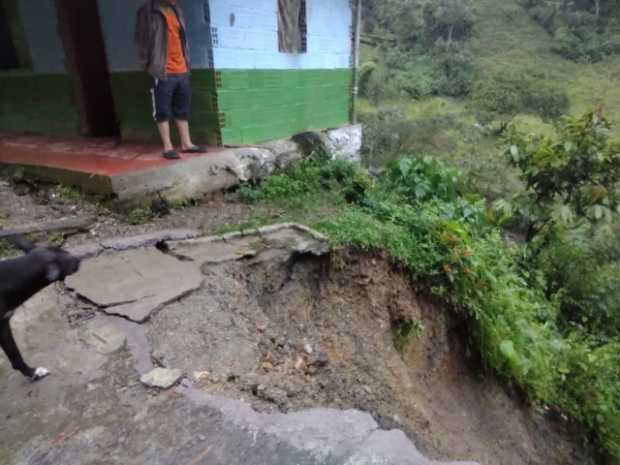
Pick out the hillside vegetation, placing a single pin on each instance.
(511, 68)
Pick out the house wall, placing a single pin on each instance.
(39, 99)
(131, 85)
(245, 90)
(265, 94)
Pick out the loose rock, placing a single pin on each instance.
(161, 378)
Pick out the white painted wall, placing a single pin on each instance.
(252, 42)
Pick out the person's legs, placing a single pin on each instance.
(164, 133)
(181, 110)
(184, 135)
(162, 94)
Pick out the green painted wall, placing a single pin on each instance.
(134, 109)
(230, 107)
(260, 105)
(37, 103)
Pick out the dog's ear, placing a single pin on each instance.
(21, 243)
(52, 272)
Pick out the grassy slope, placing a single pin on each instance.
(506, 38)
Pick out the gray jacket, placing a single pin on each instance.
(151, 36)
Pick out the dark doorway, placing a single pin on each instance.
(82, 36)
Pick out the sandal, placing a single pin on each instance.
(171, 155)
(196, 149)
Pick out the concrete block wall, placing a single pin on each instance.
(265, 94)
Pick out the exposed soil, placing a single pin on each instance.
(287, 333)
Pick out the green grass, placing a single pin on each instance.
(507, 39)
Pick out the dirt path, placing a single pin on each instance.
(24, 204)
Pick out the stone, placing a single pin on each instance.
(344, 143)
(319, 360)
(161, 378)
(253, 163)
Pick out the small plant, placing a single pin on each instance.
(139, 215)
(69, 193)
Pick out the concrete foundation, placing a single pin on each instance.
(135, 171)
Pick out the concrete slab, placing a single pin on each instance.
(132, 171)
(134, 283)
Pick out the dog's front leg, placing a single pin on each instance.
(12, 352)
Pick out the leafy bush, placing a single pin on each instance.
(503, 96)
(387, 133)
(572, 176)
(364, 75)
(420, 179)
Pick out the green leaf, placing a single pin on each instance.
(507, 348)
(598, 212)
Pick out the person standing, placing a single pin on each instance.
(163, 52)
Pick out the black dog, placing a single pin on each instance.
(20, 279)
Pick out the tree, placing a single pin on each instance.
(449, 20)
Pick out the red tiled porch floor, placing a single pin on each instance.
(103, 157)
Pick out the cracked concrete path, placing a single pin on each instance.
(93, 409)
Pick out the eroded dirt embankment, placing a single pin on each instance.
(287, 332)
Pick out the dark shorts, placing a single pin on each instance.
(172, 97)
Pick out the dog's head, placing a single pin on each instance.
(58, 263)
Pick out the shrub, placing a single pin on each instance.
(387, 133)
(364, 75)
